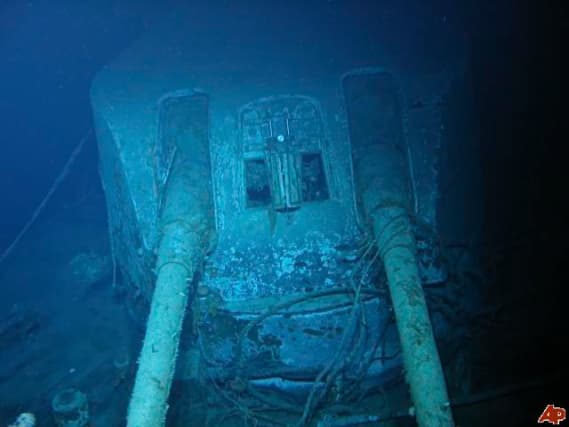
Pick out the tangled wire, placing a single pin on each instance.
(332, 385)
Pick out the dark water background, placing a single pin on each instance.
(51, 50)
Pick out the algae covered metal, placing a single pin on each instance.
(246, 171)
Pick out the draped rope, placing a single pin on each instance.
(60, 178)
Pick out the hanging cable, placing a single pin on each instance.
(60, 178)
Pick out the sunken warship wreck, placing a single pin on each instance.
(267, 216)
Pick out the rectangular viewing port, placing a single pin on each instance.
(314, 185)
(257, 183)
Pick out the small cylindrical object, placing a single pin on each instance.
(70, 408)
